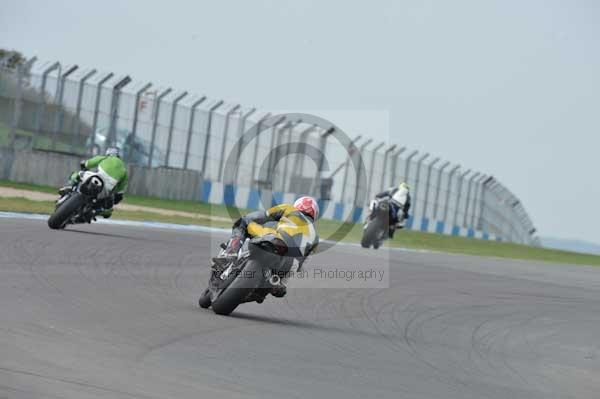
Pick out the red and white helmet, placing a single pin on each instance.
(308, 206)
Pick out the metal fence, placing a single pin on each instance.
(54, 107)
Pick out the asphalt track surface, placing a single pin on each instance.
(107, 311)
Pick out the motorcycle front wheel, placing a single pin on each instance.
(370, 233)
(204, 301)
(60, 217)
(245, 283)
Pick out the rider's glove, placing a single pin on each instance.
(82, 165)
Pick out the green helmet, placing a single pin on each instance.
(404, 186)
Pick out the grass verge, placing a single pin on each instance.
(181, 206)
(327, 228)
(47, 207)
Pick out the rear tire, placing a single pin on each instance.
(64, 211)
(248, 280)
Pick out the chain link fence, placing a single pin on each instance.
(47, 106)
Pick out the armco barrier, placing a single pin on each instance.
(37, 167)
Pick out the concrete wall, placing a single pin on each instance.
(165, 183)
(37, 167)
(53, 169)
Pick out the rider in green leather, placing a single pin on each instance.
(113, 172)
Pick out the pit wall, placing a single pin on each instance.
(53, 169)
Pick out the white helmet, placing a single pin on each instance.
(113, 152)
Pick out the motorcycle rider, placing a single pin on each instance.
(294, 222)
(111, 168)
(399, 201)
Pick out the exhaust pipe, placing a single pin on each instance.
(274, 280)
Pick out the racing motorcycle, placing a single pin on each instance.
(376, 227)
(79, 204)
(259, 267)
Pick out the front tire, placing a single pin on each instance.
(248, 280)
(204, 302)
(61, 215)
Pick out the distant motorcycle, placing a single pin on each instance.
(250, 276)
(79, 204)
(376, 227)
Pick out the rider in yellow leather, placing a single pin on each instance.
(293, 227)
(294, 224)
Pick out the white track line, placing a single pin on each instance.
(181, 227)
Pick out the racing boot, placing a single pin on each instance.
(106, 213)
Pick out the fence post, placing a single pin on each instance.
(459, 195)
(395, 166)
(171, 126)
(207, 141)
(76, 131)
(59, 111)
(437, 190)
(480, 218)
(372, 167)
(478, 187)
(416, 185)
(385, 160)
(155, 124)
(21, 69)
(427, 179)
(224, 141)
(407, 166)
(256, 144)
(241, 131)
(361, 165)
(299, 159)
(111, 137)
(96, 109)
(315, 188)
(190, 130)
(42, 106)
(284, 177)
(275, 131)
(350, 153)
(470, 184)
(131, 137)
(449, 188)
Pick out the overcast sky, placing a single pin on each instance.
(511, 88)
